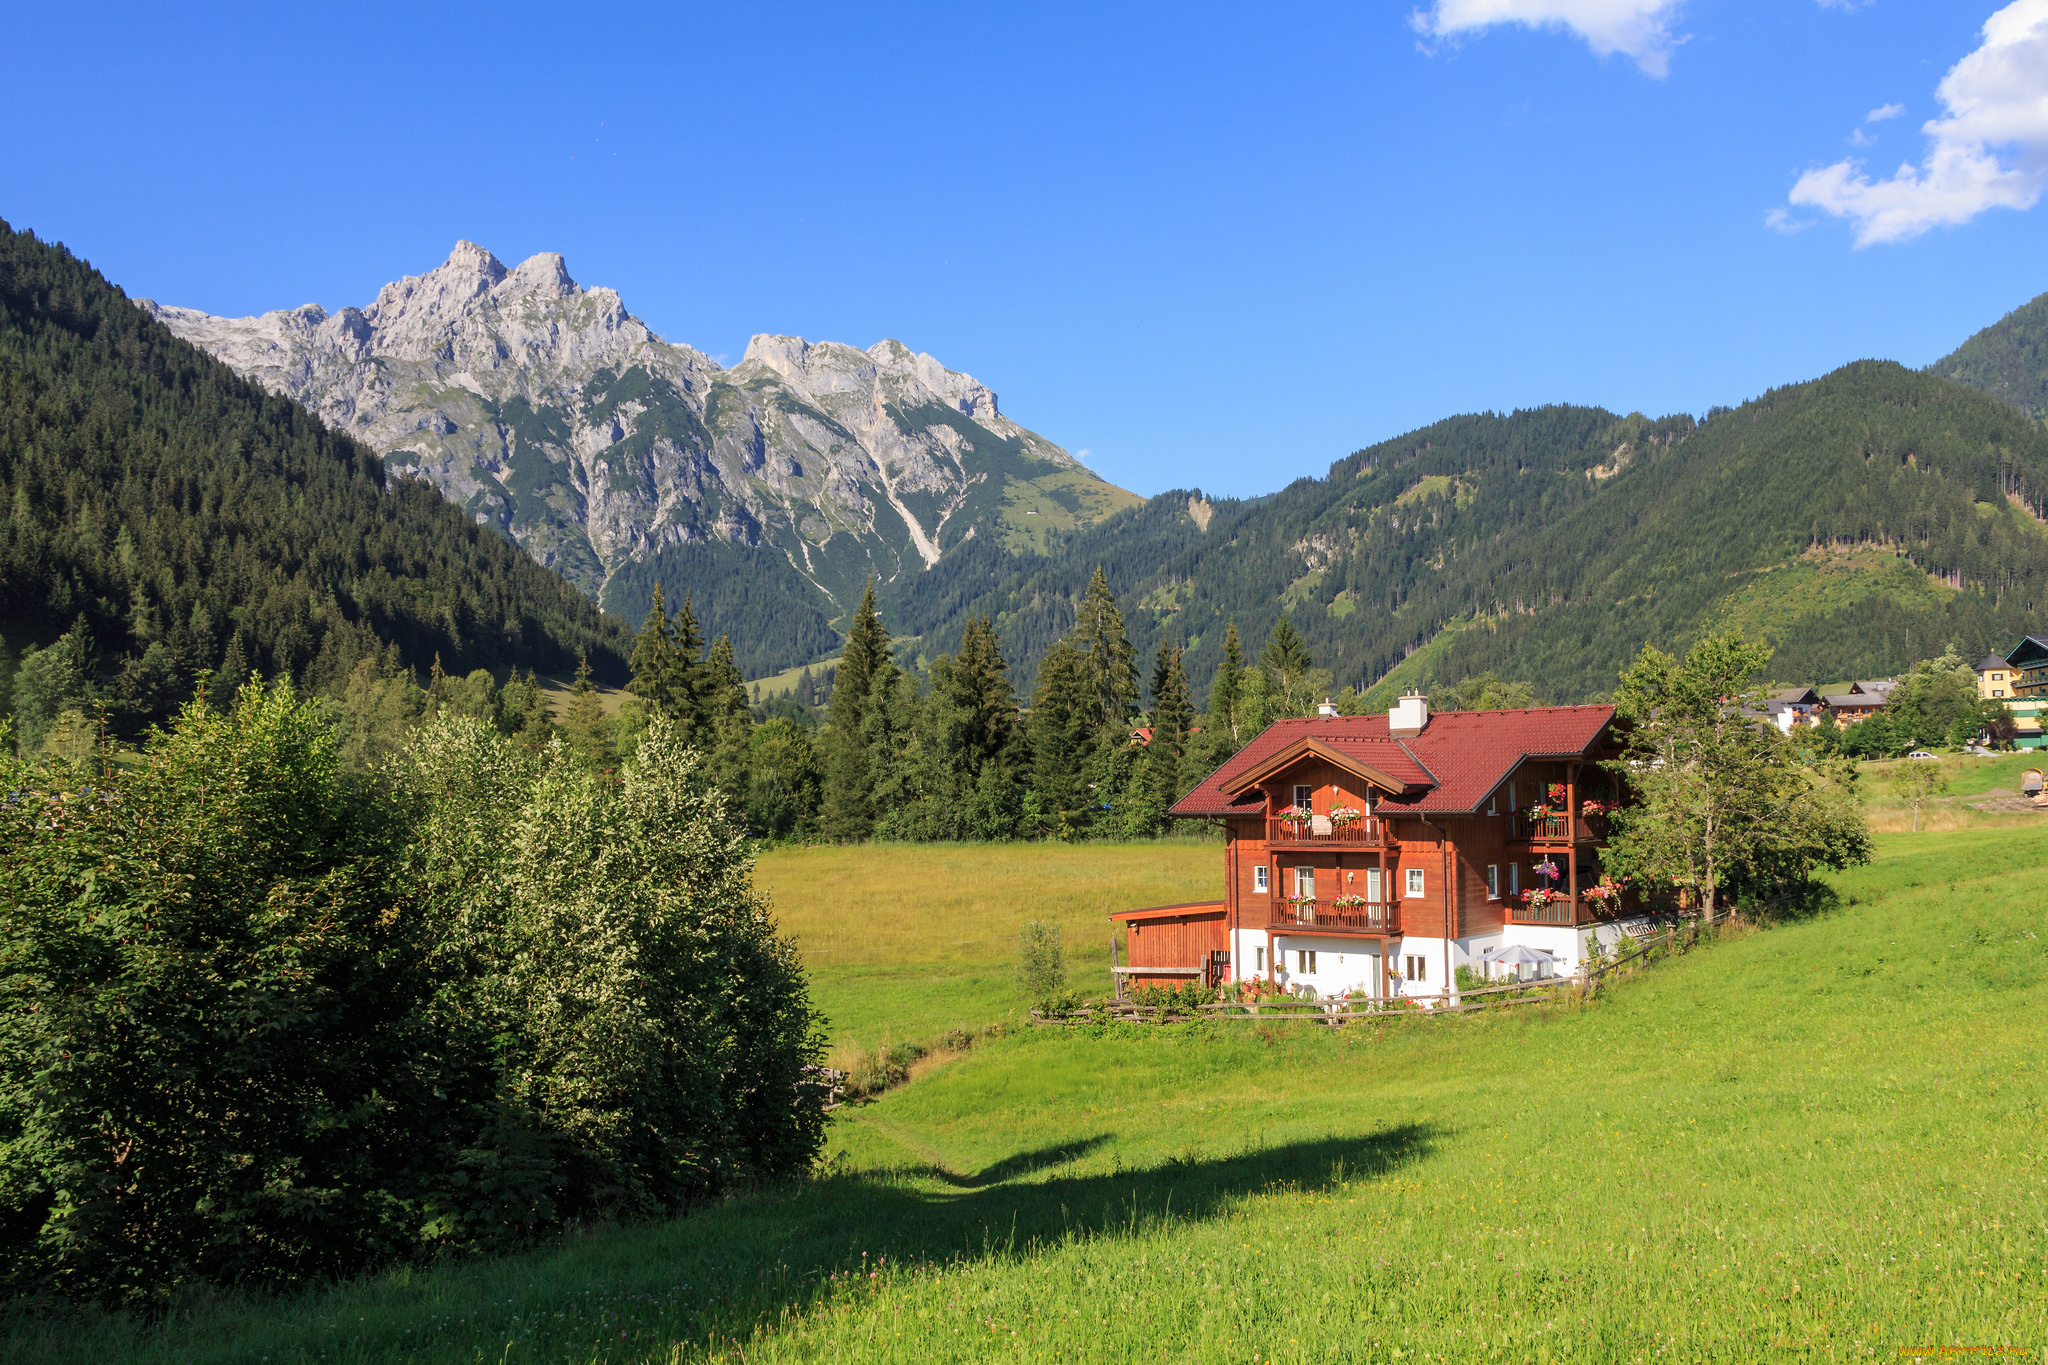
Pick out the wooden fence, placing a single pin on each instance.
(1336, 1013)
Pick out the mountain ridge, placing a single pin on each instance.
(617, 458)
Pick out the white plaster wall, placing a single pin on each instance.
(1342, 964)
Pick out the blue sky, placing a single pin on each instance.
(1211, 246)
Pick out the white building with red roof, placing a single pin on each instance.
(1377, 854)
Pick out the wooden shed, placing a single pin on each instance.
(1172, 944)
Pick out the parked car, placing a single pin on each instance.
(1919, 753)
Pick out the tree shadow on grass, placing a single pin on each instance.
(743, 1265)
(1023, 1163)
(1013, 1205)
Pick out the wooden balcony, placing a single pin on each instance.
(1565, 911)
(1559, 828)
(1368, 832)
(1374, 917)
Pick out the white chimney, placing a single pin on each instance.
(1328, 708)
(1409, 716)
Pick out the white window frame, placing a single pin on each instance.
(1418, 967)
(1258, 959)
(1304, 879)
(1418, 884)
(1492, 881)
(1305, 962)
(1260, 885)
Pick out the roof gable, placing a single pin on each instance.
(1451, 767)
(1382, 763)
(2031, 653)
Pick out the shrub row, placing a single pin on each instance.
(262, 1022)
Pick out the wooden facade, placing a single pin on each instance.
(1359, 836)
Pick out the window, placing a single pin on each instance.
(1492, 882)
(1418, 968)
(1414, 883)
(1259, 959)
(1259, 879)
(1305, 962)
(1493, 802)
(1514, 878)
(1305, 882)
(1304, 797)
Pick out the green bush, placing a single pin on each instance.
(1041, 962)
(262, 1022)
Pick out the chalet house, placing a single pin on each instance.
(1792, 707)
(1862, 701)
(1378, 854)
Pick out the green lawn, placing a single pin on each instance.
(1817, 1142)
(904, 942)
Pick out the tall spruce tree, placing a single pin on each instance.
(849, 796)
(590, 737)
(1060, 737)
(1173, 713)
(730, 721)
(654, 658)
(1291, 682)
(1228, 689)
(1108, 661)
(977, 712)
(690, 691)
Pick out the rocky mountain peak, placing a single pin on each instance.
(615, 457)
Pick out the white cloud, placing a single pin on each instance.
(1635, 28)
(1990, 152)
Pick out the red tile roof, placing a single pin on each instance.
(1450, 768)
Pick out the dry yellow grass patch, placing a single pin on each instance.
(892, 905)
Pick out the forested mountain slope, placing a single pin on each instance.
(2008, 360)
(770, 491)
(1857, 522)
(192, 519)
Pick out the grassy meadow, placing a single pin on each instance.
(904, 942)
(1822, 1142)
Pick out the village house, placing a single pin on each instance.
(2026, 679)
(1378, 854)
(1862, 701)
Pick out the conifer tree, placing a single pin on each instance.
(690, 689)
(731, 723)
(1292, 682)
(977, 712)
(654, 658)
(1060, 734)
(1108, 661)
(1228, 688)
(1172, 714)
(849, 799)
(590, 737)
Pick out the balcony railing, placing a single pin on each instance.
(1375, 917)
(1323, 832)
(1561, 911)
(1560, 828)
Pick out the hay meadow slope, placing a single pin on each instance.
(1815, 1143)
